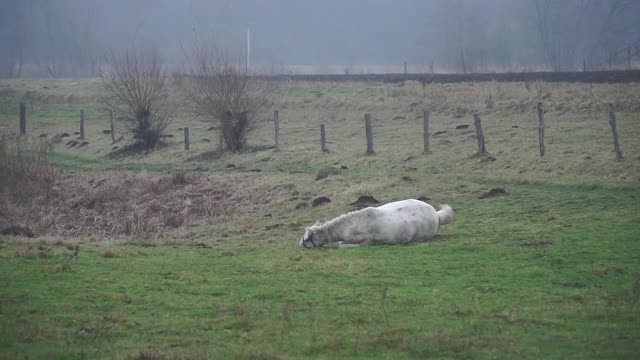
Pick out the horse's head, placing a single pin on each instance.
(312, 237)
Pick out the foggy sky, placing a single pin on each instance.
(561, 34)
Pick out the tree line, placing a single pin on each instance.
(69, 38)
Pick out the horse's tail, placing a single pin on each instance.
(445, 214)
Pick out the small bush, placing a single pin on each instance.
(136, 82)
(226, 94)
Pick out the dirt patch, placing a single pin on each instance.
(536, 243)
(320, 201)
(493, 192)
(570, 284)
(364, 201)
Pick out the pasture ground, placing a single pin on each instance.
(551, 269)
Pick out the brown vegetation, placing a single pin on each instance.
(125, 204)
(24, 169)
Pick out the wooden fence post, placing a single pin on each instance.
(186, 138)
(479, 134)
(112, 127)
(81, 124)
(369, 132)
(425, 132)
(23, 119)
(323, 139)
(276, 123)
(614, 129)
(541, 129)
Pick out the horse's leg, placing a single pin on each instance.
(343, 245)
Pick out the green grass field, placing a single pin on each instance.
(549, 270)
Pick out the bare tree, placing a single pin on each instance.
(224, 92)
(136, 82)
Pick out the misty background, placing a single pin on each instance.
(64, 38)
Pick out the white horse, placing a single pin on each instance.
(400, 222)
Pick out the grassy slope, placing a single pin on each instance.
(473, 292)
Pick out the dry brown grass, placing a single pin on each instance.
(24, 171)
(125, 204)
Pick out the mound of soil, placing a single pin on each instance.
(320, 201)
(462, 126)
(364, 201)
(536, 243)
(493, 192)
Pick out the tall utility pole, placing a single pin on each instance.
(248, 49)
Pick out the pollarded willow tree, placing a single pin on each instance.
(136, 81)
(224, 92)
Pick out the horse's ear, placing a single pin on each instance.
(317, 223)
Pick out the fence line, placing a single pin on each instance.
(368, 124)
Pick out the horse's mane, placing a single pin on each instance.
(329, 227)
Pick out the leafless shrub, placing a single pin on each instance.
(136, 82)
(224, 92)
